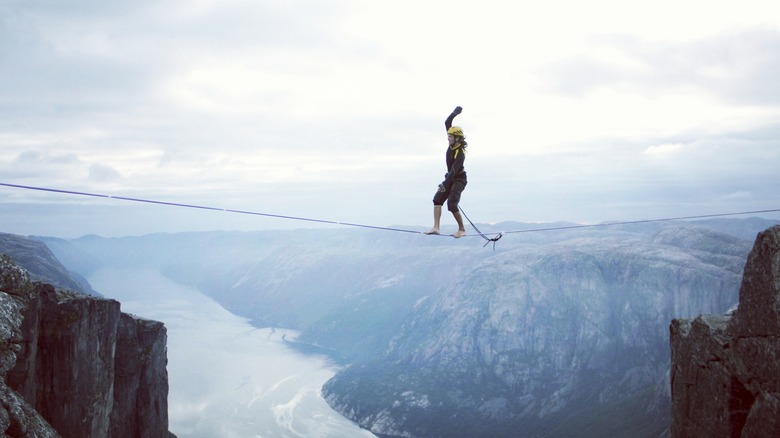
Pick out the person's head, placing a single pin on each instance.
(455, 135)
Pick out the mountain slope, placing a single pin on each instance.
(545, 340)
(41, 263)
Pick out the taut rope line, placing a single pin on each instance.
(493, 239)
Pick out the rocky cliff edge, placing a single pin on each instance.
(725, 371)
(74, 365)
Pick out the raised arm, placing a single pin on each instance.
(451, 117)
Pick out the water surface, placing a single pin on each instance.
(228, 378)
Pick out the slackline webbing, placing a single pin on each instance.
(493, 239)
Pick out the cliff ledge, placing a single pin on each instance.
(725, 371)
(74, 365)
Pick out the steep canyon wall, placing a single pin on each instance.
(725, 370)
(74, 365)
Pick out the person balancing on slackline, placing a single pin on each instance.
(455, 178)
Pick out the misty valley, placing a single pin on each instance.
(227, 378)
(562, 333)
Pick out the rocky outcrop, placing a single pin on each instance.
(79, 363)
(141, 380)
(17, 417)
(725, 371)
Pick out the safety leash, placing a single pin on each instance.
(493, 239)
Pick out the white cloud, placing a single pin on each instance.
(102, 173)
(663, 149)
(738, 196)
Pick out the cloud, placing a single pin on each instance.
(37, 158)
(735, 66)
(323, 109)
(102, 173)
(31, 162)
(740, 196)
(663, 149)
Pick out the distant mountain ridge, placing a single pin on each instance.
(554, 332)
(545, 340)
(41, 264)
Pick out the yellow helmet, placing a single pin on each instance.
(457, 131)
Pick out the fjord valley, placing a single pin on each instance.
(551, 333)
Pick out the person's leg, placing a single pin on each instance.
(452, 205)
(461, 229)
(438, 200)
(436, 220)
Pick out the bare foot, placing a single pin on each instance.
(432, 231)
(459, 234)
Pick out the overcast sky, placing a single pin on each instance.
(578, 111)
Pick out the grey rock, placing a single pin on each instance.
(725, 371)
(74, 365)
(141, 383)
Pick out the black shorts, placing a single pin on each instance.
(451, 193)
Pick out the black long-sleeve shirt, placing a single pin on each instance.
(456, 155)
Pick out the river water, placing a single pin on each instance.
(226, 377)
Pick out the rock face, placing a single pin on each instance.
(140, 379)
(725, 371)
(74, 365)
(17, 416)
